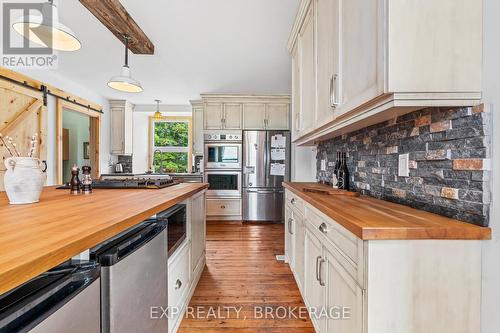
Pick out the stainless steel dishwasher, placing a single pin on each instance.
(134, 279)
(64, 299)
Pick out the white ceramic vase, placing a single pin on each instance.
(23, 180)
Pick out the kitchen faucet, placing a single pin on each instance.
(155, 161)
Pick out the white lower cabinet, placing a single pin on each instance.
(379, 286)
(186, 264)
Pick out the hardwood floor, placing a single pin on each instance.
(242, 280)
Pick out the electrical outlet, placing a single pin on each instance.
(323, 165)
(330, 164)
(404, 165)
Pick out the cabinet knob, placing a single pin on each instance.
(323, 228)
(223, 207)
(178, 284)
(292, 201)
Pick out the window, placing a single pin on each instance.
(171, 144)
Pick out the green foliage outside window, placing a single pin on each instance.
(171, 134)
(171, 162)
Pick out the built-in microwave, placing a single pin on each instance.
(223, 151)
(223, 183)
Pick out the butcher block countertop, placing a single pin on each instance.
(370, 219)
(36, 237)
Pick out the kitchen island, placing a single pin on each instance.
(34, 238)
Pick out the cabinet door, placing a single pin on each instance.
(307, 71)
(198, 131)
(327, 55)
(298, 242)
(277, 116)
(254, 116)
(214, 113)
(314, 291)
(288, 236)
(117, 130)
(295, 95)
(197, 230)
(344, 298)
(359, 81)
(232, 116)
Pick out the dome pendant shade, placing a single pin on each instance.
(125, 82)
(57, 36)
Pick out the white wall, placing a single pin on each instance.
(490, 316)
(303, 164)
(142, 113)
(66, 84)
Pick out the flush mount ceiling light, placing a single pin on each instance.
(125, 82)
(157, 114)
(46, 29)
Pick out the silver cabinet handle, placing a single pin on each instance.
(223, 207)
(333, 91)
(178, 284)
(320, 272)
(290, 220)
(292, 201)
(317, 268)
(323, 228)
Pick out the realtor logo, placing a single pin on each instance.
(27, 35)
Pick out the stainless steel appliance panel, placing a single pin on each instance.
(132, 286)
(79, 315)
(263, 205)
(254, 159)
(225, 155)
(223, 183)
(272, 180)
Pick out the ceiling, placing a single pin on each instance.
(214, 46)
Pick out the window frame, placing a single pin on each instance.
(171, 119)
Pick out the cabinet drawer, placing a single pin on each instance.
(178, 277)
(295, 202)
(223, 207)
(338, 240)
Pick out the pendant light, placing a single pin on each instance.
(125, 82)
(157, 114)
(49, 34)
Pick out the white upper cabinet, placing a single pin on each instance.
(296, 126)
(213, 116)
(249, 112)
(121, 131)
(327, 58)
(232, 115)
(359, 62)
(307, 71)
(197, 109)
(254, 116)
(277, 116)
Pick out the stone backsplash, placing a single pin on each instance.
(449, 161)
(126, 161)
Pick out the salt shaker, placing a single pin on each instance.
(75, 181)
(87, 180)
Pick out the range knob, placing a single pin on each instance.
(230, 137)
(209, 136)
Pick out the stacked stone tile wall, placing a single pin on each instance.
(126, 161)
(449, 161)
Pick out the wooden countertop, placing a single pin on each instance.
(34, 238)
(369, 218)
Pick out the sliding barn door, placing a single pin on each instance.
(22, 114)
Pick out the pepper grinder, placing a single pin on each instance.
(75, 181)
(87, 180)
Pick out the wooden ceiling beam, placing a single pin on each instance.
(115, 17)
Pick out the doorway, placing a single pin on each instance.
(78, 137)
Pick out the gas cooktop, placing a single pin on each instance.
(129, 181)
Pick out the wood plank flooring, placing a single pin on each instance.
(241, 280)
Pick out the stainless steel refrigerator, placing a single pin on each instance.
(266, 164)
